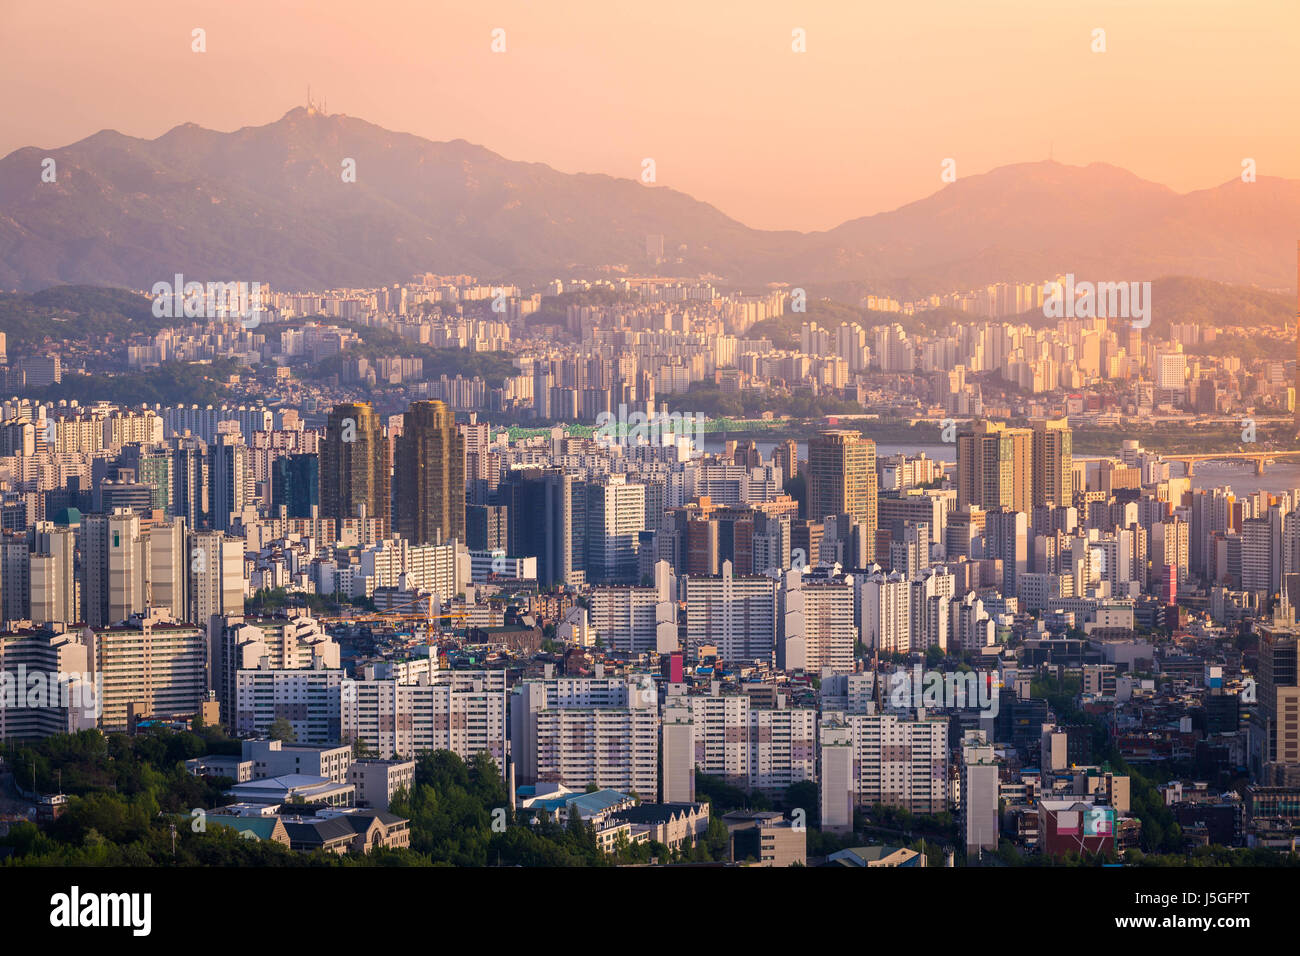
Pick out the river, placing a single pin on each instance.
(1241, 477)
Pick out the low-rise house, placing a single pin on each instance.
(872, 856)
(294, 788)
(252, 827)
(350, 831)
(673, 824)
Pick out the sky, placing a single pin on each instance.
(712, 90)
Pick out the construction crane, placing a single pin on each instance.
(430, 615)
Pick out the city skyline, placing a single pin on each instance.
(840, 437)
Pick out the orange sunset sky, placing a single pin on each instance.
(710, 89)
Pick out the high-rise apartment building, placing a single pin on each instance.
(310, 699)
(216, 583)
(899, 762)
(737, 614)
(1006, 534)
(169, 564)
(1053, 462)
(816, 624)
(116, 567)
(885, 603)
(752, 746)
(53, 575)
(149, 665)
(48, 685)
(842, 480)
(460, 711)
(995, 467)
(575, 732)
(638, 620)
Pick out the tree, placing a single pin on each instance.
(281, 729)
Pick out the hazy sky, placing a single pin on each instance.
(710, 89)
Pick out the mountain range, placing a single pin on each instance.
(269, 203)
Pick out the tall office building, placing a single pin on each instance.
(1053, 465)
(190, 480)
(842, 480)
(547, 520)
(487, 527)
(152, 465)
(429, 476)
(354, 465)
(1279, 675)
(615, 519)
(295, 485)
(231, 481)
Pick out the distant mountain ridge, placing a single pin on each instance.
(269, 203)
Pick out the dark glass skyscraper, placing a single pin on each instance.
(429, 476)
(354, 475)
(295, 485)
